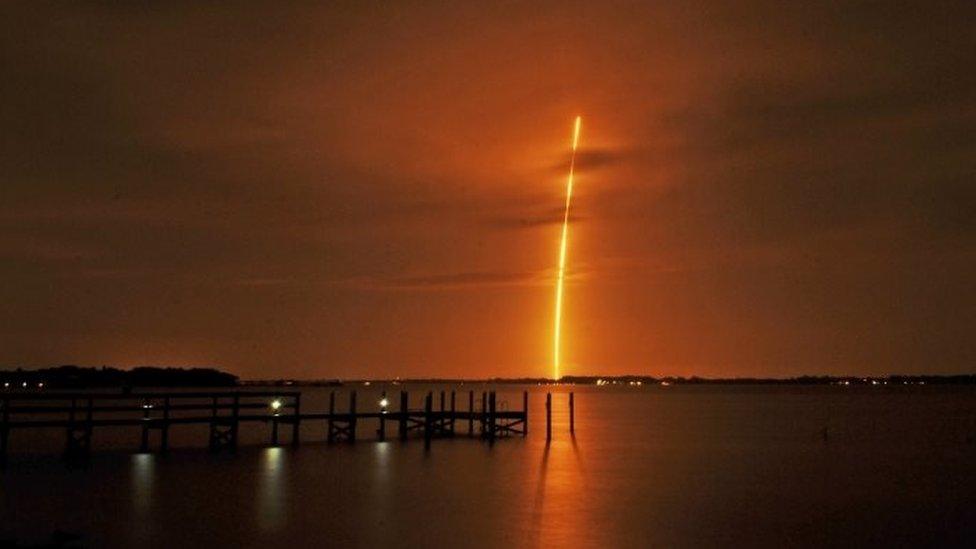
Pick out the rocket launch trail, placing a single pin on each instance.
(556, 339)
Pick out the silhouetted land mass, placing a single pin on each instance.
(966, 379)
(292, 382)
(77, 377)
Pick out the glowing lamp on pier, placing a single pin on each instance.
(275, 406)
(384, 402)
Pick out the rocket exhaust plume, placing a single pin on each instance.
(562, 257)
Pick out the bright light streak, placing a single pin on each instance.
(562, 257)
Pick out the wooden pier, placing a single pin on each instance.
(78, 414)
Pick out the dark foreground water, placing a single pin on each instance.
(649, 466)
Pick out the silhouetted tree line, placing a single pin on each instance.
(75, 377)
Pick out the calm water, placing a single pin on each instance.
(651, 466)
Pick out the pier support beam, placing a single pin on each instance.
(492, 403)
(330, 437)
(352, 417)
(428, 412)
(548, 417)
(484, 413)
(381, 432)
(4, 431)
(164, 429)
(223, 429)
(470, 413)
(572, 414)
(297, 420)
(453, 413)
(404, 411)
(144, 445)
(78, 440)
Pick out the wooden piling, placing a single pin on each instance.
(484, 413)
(428, 405)
(274, 429)
(572, 414)
(213, 424)
(404, 403)
(331, 436)
(470, 413)
(89, 424)
(548, 417)
(525, 411)
(352, 418)
(491, 416)
(296, 423)
(144, 446)
(453, 410)
(274, 426)
(164, 430)
(381, 432)
(235, 421)
(4, 432)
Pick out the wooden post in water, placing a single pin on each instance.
(4, 432)
(274, 427)
(70, 431)
(382, 430)
(213, 423)
(296, 425)
(144, 446)
(89, 425)
(164, 431)
(525, 413)
(484, 413)
(470, 413)
(331, 435)
(492, 403)
(404, 412)
(428, 405)
(572, 414)
(236, 421)
(352, 417)
(548, 417)
(453, 409)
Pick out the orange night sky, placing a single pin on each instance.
(763, 189)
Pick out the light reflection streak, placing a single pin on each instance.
(143, 478)
(272, 487)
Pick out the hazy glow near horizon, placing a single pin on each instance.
(562, 256)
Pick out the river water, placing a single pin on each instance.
(651, 466)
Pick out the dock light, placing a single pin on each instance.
(6, 384)
(384, 402)
(24, 385)
(276, 405)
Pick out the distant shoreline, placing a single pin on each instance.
(634, 380)
(75, 377)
